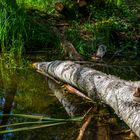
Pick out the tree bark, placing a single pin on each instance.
(113, 91)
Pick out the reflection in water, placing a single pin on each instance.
(74, 106)
(8, 101)
(96, 129)
(34, 97)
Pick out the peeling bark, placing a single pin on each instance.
(113, 91)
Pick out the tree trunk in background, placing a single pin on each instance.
(113, 91)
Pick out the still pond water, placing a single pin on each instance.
(38, 95)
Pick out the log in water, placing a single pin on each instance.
(113, 91)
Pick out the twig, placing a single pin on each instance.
(67, 86)
(83, 128)
(105, 65)
(85, 125)
(52, 78)
(62, 24)
(75, 91)
(121, 132)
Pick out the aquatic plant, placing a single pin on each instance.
(35, 123)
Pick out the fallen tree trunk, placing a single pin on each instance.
(113, 91)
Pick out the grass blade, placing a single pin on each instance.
(30, 128)
(41, 117)
(25, 123)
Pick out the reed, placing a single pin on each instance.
(35, 122)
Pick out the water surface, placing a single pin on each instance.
(36, 95)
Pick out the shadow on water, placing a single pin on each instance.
(28, 92)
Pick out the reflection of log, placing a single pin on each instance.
(115, 92)
(73, 107)
(71, 104)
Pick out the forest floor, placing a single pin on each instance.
(119, 31)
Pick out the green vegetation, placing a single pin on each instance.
(36, 121)
(28, 26)
(20, 31)
(116, 27)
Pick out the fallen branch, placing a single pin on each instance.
(88, 116)
(69, 88)
(73, 90)
(83, 128)
(117, 93)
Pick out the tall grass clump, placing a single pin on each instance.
(21, 30)
(12, 29)
(34, 122)
(12, 34)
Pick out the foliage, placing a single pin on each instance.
(19, 28)
(20, 31)
(29, 26)
(42, 5)
(113, 25)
